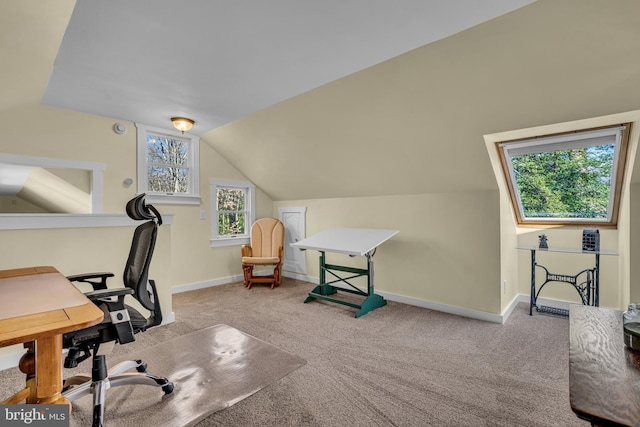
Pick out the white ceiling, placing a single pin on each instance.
(217, 61)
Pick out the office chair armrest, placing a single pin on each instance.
(246, 250)
(116, 309)
(103, 293)
(90, 278)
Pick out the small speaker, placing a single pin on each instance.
(591, 240)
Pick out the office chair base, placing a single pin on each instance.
(83, 385)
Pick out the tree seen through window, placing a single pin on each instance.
(167, 163)
(572, 183)
(566, 178)
(231, 211)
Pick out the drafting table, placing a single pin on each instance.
(352, 242)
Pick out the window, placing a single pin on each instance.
(571, 178)
(233, 211)
(168, 166)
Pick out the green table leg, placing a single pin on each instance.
(321, 290)
(324, 290)
(371, 303)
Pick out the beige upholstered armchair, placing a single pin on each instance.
(266, 248)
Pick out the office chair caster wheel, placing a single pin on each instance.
(142, 367)
(168, 388)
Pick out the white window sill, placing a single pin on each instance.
(232, 241)
(43, 221)
(172, 199)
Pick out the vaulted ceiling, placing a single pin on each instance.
(336, 98)
(415, 124)
(218, 61)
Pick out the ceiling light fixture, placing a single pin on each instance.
(182, 124)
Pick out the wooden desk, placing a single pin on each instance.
(604, 375)
(39, 304)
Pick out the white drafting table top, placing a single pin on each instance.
(350, 241)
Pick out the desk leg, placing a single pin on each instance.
(28, 366)
(372, 301)
(49, 370)
(322, 288)
(532, 297)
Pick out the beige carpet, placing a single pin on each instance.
(211, 369)
(397, 366)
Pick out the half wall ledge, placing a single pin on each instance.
(49, 221)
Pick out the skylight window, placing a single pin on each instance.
(571, 178)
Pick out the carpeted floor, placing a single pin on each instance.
(211, 368)
(396, 366)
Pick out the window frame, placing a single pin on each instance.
(250, 208)
(192, 196)
(567, 140)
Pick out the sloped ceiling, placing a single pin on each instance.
(410, 124)
(30, 35)
(216, 61)
(415, 123)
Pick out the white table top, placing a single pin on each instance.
(567, 250)
(350, 241)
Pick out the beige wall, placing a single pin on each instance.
(616, 285)
(192, 257)
(447, 250)
(414, 125)
(450, 249)
(183, 252)
(51, 132)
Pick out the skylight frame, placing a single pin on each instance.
(617, 135)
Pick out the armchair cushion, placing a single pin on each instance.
(255, 260)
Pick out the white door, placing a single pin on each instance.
(294, 222)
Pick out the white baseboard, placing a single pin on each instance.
(298, 276)
(206, 284)
(452, 309)
(445, 308)
(431, 305)
(232, 279)
(168, 318)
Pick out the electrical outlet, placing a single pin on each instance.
(203, 214)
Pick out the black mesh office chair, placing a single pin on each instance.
(121, 321)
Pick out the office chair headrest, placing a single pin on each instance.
(138, 210)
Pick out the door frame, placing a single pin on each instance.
(299, 265)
